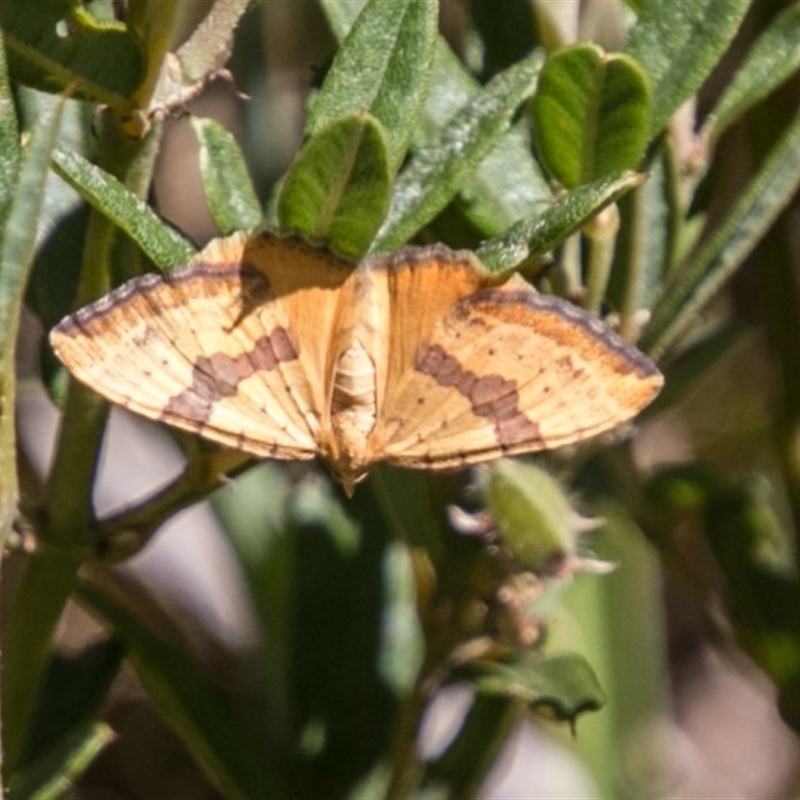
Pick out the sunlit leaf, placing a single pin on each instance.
(229, 191)
(163, 245)
(337, 189)
(591, 114)
(383, 69)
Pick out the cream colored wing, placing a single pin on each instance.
(232, 347)
(502, 370)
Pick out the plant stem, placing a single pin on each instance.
(407, 767)
(601, 236)
(65, 531)
(635, 259)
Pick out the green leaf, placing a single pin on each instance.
(19, 236)
(337, 189)
(559, 686)
(10, 153)
(164, 246)
(590, 113)
(254, 518)
(439, 169)
(507, 184)
(193, 705)
(723, 252)
(773, 58)
(341, 16)
(53, 43)
(328, 589)
(57, 268)
(529, 239)
(17, 245)
(229, 191)
(678, 44)
(55, 773)
(383, 68)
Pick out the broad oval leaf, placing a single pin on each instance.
(560, 686)
(229, 191)
(337, 190)
(590, 114)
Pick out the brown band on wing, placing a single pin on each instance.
(490, 396)
(217, 376)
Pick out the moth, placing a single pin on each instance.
(422, 359)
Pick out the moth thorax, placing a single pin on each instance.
(353, 402)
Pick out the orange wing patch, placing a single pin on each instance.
(422, 359)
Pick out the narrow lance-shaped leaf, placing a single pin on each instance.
(10, 154)
(529, 239)
(590, 114)
(16, 257)
(229, 191)
(157, 240)
(337, 190)
(339, 596)
(439, 169)
(651, 221)
(720, 256)
(773, 58)
(678, 44)
(507, 184)
(383, 68)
